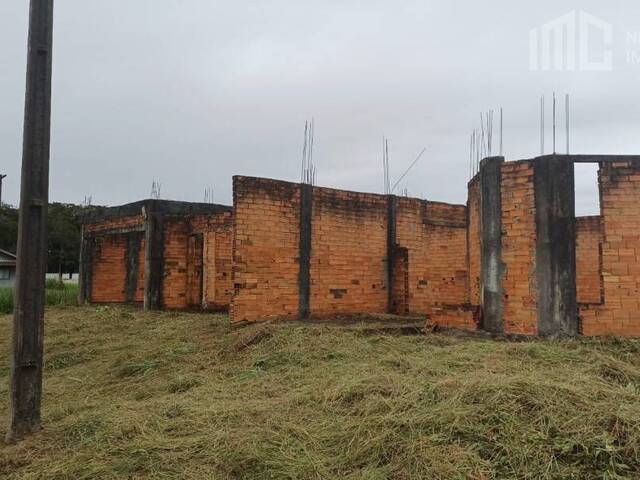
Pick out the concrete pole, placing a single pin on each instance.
(2, 177)
(25, 389)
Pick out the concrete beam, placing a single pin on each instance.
(492, 268)
(555, 247)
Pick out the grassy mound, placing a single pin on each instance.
(136, 395)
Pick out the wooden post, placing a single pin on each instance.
(2, 177)
(25, 388)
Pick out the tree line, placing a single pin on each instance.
(63, 245)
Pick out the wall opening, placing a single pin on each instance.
(587, 192)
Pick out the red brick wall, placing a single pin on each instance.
(620, 208)
(519, 248)
(474, 240)
(588, 241)
(265, 249)
(435, 236)
(348, 252)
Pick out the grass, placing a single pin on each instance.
(57, 294)
(167, 395)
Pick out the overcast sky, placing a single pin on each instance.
(191, 92)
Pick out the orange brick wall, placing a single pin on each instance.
(109, 263)
(114, 224)
(348, 262)
(620, 209)
(216, 284)
(474, 240)
(109, 269)
(519, 248)
(588, 241)
(174, 288)
(435, 236)
(218, 258)
(463, 318)
(265, 249)
(348, 252)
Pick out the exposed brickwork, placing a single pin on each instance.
(265, 249)
(346, 276)
(588, 244)
(436, 238)
(348, 258)
(194, 276)
(620, 207)
(400, 302)
(109, 270)
(217, 234)
(123, 223)
(519, 248)
(174, 288)
(474, 240)
(460, 317)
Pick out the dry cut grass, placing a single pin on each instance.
(168, 395)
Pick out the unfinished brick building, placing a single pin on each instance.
(165, 254)
(515, 260)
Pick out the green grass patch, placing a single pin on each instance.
(130, 394)
(6, 300)
(57, 295)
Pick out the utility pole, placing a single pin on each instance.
(2, 177)
(25, 390)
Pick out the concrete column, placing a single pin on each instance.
(492, 268)
(134, 241)
(391, 248)
(555, 246)
(87, 249)
(304, 275)
(154, 256)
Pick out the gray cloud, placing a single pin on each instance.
(192, 92)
